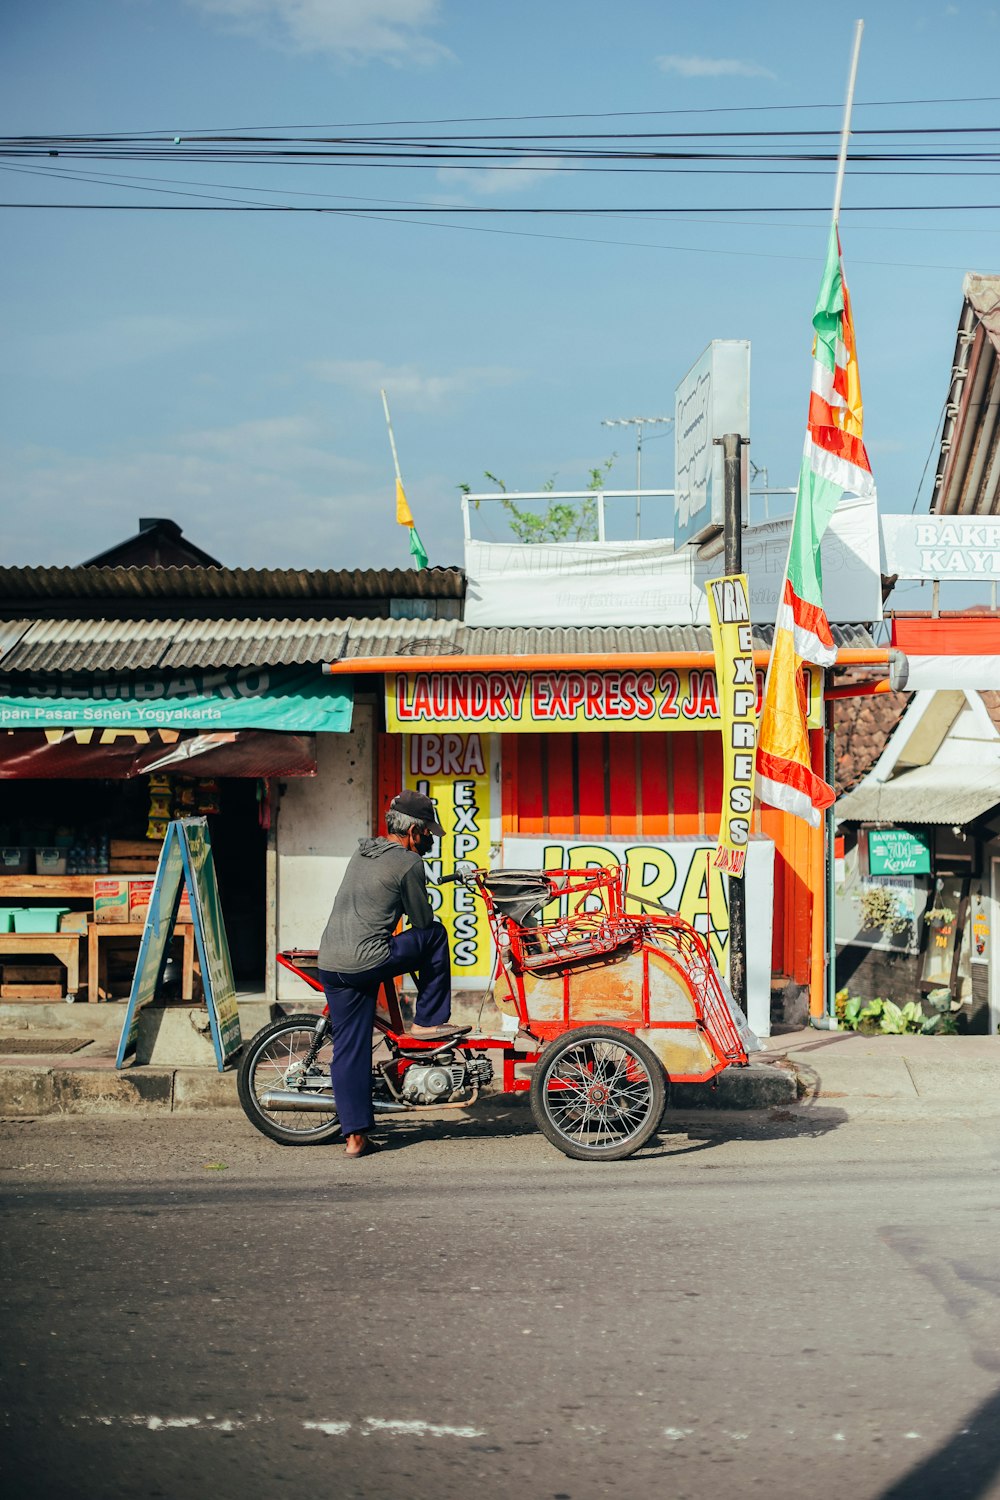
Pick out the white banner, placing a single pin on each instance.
(648, 583)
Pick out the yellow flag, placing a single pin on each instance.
(403, 513)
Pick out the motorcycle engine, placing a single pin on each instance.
(438, 1081)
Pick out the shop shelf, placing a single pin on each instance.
(38, 918)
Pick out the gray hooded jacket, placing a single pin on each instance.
(382, 882)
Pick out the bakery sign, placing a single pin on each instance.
(509, 702)
(960, 548)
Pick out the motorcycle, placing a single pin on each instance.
(598, 1008)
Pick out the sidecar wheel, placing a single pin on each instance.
(274, 1059)
(598, 1093)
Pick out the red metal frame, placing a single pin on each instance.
(592, 930)
(389, 1021)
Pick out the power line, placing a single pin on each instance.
(295, 208)
(112, 179)
(611, 114)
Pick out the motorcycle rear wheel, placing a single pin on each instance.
(274, 1059)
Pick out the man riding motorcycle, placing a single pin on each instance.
(385, 880)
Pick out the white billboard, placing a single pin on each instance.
(648, 583)
(961, 549)
(711, 400)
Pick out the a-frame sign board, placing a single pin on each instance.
(186, 860)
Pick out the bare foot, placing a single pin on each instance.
(444, 1030)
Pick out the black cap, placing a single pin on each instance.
(416, 805)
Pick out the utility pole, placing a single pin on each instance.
(732, 531)
(638, 423)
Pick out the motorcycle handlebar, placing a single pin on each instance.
(465, 876)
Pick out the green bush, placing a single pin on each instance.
(885, 1017)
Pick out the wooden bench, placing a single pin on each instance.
(63, 946)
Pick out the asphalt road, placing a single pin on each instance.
(805, 1304)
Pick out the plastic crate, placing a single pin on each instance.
(38, 918)
(7, 914)
(51, 861)
(15, 859)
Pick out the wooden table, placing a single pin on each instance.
(64, 946)
(98, 930)
(79, 886)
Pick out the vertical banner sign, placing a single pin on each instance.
(186, 859)
(732, 640)
(454, 770)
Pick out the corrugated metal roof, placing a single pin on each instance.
(928, 794)
(967, 481)
(121, 646)
(441, 637)
(125, 646)
(231, 583)
(11, 632)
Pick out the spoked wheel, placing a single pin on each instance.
(278, 1058)
(598, 1093)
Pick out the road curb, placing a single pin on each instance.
(757, 1086)
(82, 1091)
(48, 1090)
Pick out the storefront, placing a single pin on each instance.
(545, 762)
(917, 887)
(921, 927)
(91, 771)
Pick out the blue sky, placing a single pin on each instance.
(224, 369)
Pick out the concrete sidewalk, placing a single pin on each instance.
(866, 1075)
(954, 1071)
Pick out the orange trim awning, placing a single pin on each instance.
(848, 656)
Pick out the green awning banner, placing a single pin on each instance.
(299, 699)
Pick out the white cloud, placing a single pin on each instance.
(411, 386)
(712, 67)
(109, 344)
(258, 494)
(266, 439)
(490, 180)
(392, 31)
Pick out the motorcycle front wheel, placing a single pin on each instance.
(276, 1059)
(598, 1093)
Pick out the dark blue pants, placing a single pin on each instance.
(422, 951)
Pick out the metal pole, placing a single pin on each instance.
(845, 133)
(638, 482)
(733, 533)
(830, 768)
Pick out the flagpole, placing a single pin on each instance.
(823, 969)
(392, 440)
(845, 133)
